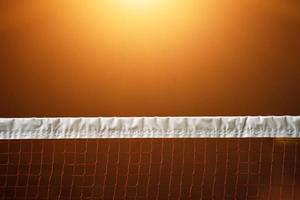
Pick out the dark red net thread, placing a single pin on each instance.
(150, 169)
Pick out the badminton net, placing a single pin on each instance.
(150, 158)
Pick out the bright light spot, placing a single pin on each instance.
(150, 25)
(140, 4)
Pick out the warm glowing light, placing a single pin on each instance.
(141, 4)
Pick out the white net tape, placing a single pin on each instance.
(150, 127)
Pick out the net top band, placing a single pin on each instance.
(150, 127)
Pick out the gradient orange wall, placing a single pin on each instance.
(127, 57)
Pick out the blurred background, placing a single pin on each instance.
(143, 57)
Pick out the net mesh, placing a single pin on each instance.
(250, 168)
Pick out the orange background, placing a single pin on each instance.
(110, 58)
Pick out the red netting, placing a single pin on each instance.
(150, 169)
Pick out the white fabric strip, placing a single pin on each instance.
(150, 127)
